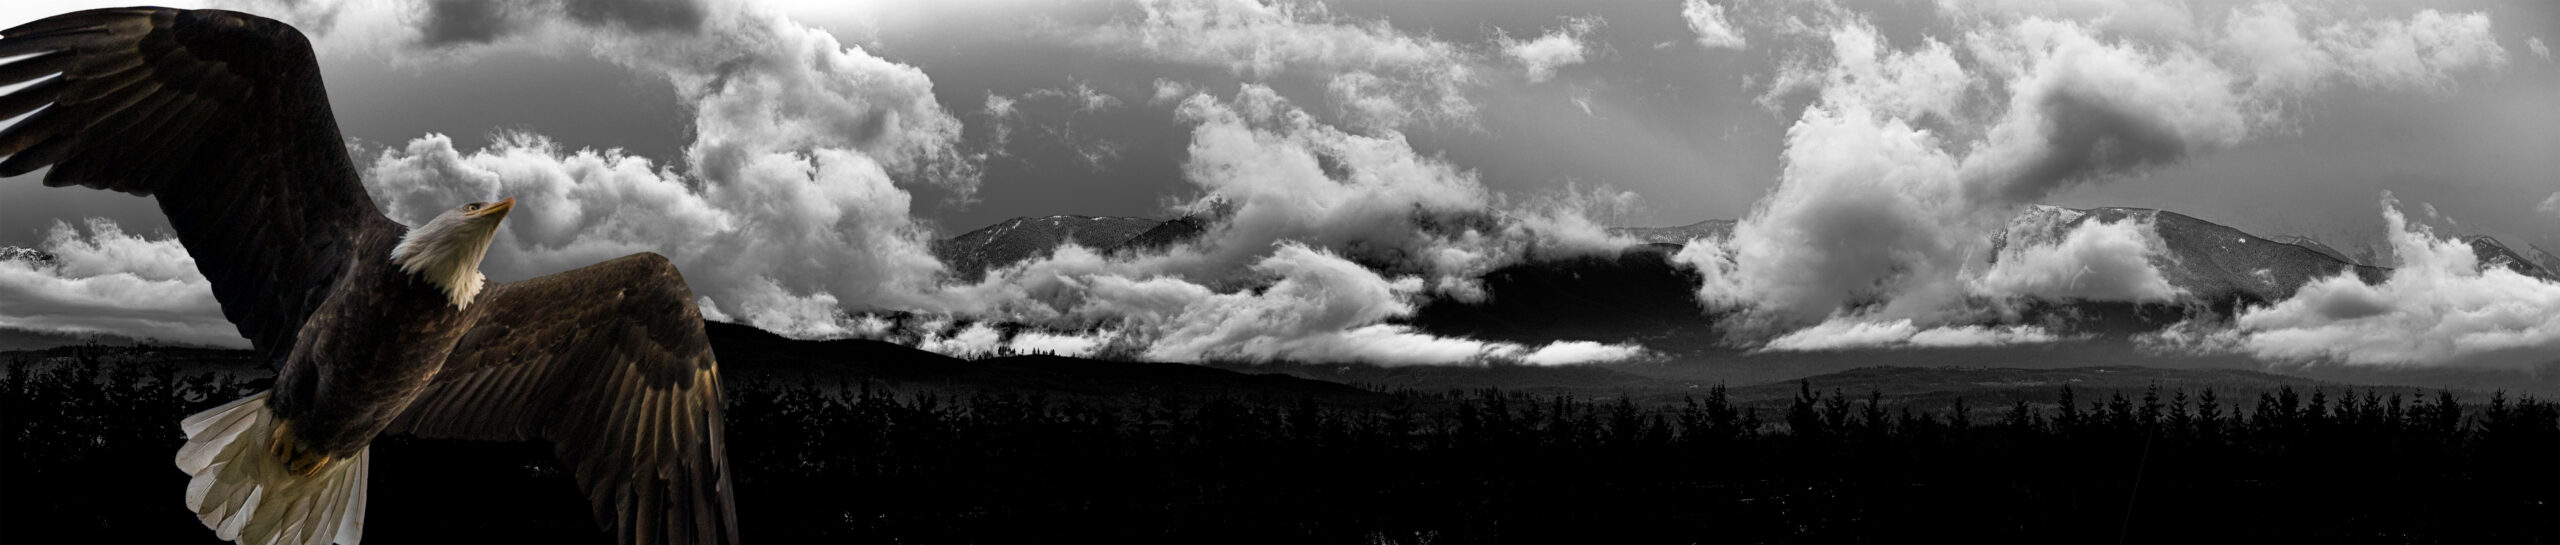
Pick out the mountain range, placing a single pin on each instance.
(1638, 295)
(970, 254)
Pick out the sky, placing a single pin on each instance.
(793, 156)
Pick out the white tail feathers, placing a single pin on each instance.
(245, 494)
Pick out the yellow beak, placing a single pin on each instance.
(498, 209)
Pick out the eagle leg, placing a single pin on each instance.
(301, 462)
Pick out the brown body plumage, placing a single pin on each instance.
(222, 116)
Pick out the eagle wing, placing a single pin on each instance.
(611, 365)
(223, 117)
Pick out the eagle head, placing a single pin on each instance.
(447, 250)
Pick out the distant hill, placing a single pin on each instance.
(750, 354)
(2224, 266)
(2317, 246)
(1637, 295)
(1177, 231)
(971, 254)
(1989, 391)
(2542, 257)
(1165, 235)
(27, 339)
(1584, 380)
(2494, 254)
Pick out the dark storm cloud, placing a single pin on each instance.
(2089, 139)
(465, 22)
(462, 22)
(637, 15)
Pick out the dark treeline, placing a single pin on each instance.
(88, 448)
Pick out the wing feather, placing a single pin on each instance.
(608, 363)
(27, 99)
(37, 66)
(223, 117)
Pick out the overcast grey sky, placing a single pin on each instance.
(793, 156)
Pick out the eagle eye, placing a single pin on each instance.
(473, 207)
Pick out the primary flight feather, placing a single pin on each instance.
(370, 326)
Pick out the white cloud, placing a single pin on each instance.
(1377, 76)
(111, 282)
(2550, 205)
(2423, 51)
(1708, 20)
(2539, 50)
(1907, 156)
(793, 205)
(2285, 54)
(1382, 202)
(2146, 18)
(2440, 307)
(2092, 261)
(783, 243)
(978, 340)
(1849, 333)
(1057, 344)
(1539, 58)
(1577, 352)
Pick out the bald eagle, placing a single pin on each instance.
(371, 327)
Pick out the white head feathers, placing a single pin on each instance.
(447, 250)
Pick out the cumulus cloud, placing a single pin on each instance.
(791, 211)
(792, 202)
(1377, 76)
(2550, 205)
(2092, 260)
(783, 244)
(974, 341)
(107, 281)
(1907, 157)
(2442, 306)
(2539, 50)
(757, 82)
(1540, 57)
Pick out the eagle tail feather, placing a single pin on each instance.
(246, 494)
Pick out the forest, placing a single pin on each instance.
(88, 440)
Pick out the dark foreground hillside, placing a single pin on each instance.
(86, 438)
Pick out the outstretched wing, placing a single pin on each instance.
(611, 365)
(222, 116)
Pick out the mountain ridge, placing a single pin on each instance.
(970, 255)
